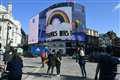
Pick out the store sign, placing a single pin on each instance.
(33, 30)
(59, 33)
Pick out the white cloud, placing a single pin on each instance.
(117, 7)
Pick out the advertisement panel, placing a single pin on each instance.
(79, 18)
(41, 31)
(33, 30)
(37, 50)
(79, 36)
(58, 23)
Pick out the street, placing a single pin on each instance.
(69, 70)
(83, 29)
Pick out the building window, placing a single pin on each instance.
(61, 45)
(0, 29)
(68, 44)
(2, 16)
(9, 27)
(33, 20)
(12, 32)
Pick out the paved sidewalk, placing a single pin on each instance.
(29, 66)
(70, 70)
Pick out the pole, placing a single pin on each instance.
(7, 46)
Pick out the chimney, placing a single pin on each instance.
(10, 9)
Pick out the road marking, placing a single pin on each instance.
(31, 77)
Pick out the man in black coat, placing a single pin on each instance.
(14, 66)
(51, 61)
(107, 66)
(58, 61)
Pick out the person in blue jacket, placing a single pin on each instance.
(14, 66)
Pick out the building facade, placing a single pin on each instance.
(10, 29)
(92, 32)
(59, 25)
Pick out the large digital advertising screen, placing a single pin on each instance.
(41, 31)
(37, 50)
(79, 18)
(33, 30)
(58, 23)
(79, 36)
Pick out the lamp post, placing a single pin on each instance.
(7, 44)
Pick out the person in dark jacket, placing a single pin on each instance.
(7, 54)
(51, 61)
(58, 61)
(80, 56)
(107, 66)
(14, 66)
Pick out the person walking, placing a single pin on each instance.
(14, 66)
(1, 58)
(1, 54)
(43, 56)
(107, 66)
(81, 61)
(58, 62)
(7, 54)
(51, 62)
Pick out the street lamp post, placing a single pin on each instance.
(7, 45)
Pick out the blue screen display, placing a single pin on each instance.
(36, 50)
(79, 36)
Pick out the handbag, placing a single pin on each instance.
(4, 75)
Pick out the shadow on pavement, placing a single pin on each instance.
(62, 77)
(36, 74)
(31, 66)
(70, 77)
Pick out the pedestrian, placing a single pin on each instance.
(58, 61)
(1, 54)
(107, 65)
(14, 66)
(7, 54)
(51, 62)
(81, 61)
(1, 59)
(43, 56)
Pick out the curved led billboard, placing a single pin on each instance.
(58, 23)
(33, 30)
(79, 36)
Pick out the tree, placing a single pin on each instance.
(112, 35)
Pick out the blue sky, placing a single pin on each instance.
(101, 15)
